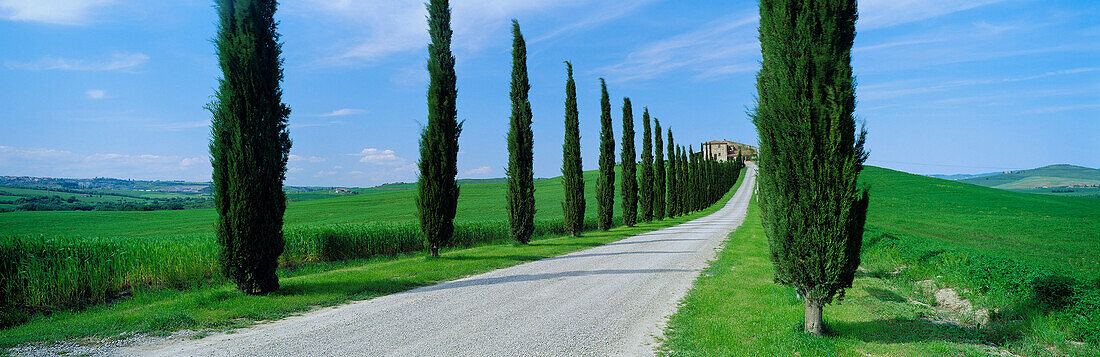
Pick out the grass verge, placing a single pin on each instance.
(736, 309)
(219, 305)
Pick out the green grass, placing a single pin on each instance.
(736, 310)
(215, 304)
(1050, 231)
(995, 247)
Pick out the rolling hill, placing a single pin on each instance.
(1052, 176)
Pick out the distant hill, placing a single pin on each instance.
(1048, 179)
(957, 177)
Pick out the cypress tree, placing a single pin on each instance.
(673, 178)
(572, 174)
(645, 186)
(692, 177)
(685, 183)
(605, 182)
(658, 172)
(437, 190)
(249, 144)
(630, 179)
(521, 176)
(811, 153)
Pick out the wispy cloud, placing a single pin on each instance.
(187, 125)
(1064, 108)
(906, 87)
(60, 12)
(608, 11)
(119, 61)
(480, 171)
(339, 113)
(96, 93)
(64, 163)
(875, 14)
(720, 47)
(377, 30)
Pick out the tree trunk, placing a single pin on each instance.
(813, 317)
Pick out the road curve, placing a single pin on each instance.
(608, 300)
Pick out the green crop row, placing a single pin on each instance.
(42, 273)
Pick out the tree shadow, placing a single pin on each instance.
(568, 256)
(655, 241)
(907, 331)
(533, 277)
(884, 295)
(353, 288)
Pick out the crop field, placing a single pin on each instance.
(1028, 258)
(75, 258)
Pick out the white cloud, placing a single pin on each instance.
(379, 156)
(186, 125)
(885, 13)
(96, 93)
(297, 158)
(7, 152)
(339, 113)
(720, 47)
(119, 61)
(61, 12)
(294, 170)
(480, 171)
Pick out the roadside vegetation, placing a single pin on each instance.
(948, 268)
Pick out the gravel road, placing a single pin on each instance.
(608, 300)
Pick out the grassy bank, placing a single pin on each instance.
(1024, 258)
(215, 304)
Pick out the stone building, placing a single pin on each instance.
(725, 150)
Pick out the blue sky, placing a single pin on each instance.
(116, 88)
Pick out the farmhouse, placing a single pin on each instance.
(725, 150)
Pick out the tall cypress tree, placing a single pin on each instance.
(811, 152)
(658, 172)
(685, 183)
(437, 190)
(572, 172)
(521, 175)
(673, 178)
(645, 186)
(605, 183)
(630, 179)
(692, 174)
(249, 144)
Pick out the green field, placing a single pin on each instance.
(389, 203)
(1001, 250)
(215, 304)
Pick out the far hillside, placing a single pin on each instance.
(1068, 180)
(1055, 232)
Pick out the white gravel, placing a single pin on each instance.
(608, 300)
